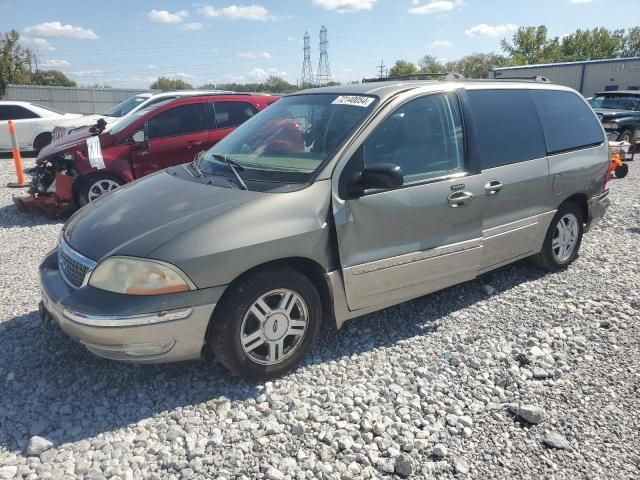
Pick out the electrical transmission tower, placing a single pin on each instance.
(324, 70)
(307, 71)
(382, 70)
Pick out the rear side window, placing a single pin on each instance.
(178, 121)
(568, 123)
(507, 125)
(15, 112)
(232, 114)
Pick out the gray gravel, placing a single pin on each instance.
(434, 388)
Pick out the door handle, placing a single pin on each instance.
(459, 199)
(194, 144)
(493, 187)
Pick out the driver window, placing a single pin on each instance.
(424, 137)
(178, 121)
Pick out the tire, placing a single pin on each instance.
(91, 185)
(626, 136)
(552, 257)
(261, 296)
(41, 141)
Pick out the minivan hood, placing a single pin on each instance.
(139, 217)
(68, 143)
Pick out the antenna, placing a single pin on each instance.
(307, 72)
(324, 71)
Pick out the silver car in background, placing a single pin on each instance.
(330, 204)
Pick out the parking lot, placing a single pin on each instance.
(428, 389)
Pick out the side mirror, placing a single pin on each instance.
(381, 175)
(141, 137)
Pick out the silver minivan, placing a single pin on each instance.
(330, 204)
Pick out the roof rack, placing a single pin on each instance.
(416, 76)
(533, 78)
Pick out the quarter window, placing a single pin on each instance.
(507, 126)
(178, 121)
(232, 114)
(567, 121)
(16, 112)
(424, 137)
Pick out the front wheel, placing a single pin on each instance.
(563, 239)
(267, 324)
(96, 185)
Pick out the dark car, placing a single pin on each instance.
(102, 158)
(619, 112)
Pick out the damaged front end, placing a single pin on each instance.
(51, 187)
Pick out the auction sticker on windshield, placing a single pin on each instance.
(95, 153)
(353, 100)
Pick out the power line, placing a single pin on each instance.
(307, 71)
(324, 70)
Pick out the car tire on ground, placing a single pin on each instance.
(267, 324)
(563, 239)
(41, 141)
(626, 136)
(95, 185)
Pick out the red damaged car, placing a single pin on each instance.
(84, 165)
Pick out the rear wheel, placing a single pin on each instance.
(626, 136)
(96, 185)
(267, 324)
(563, 239)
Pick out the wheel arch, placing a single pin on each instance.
(581, 201)
(310, 268)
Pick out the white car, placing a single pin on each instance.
(126, 108)
(34, 124)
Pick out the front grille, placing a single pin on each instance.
(58, 133)
(73, 266)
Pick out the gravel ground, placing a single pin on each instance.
(519, 374)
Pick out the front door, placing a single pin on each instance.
(399, 244)
(176, 135)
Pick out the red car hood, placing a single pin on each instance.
(69, 143)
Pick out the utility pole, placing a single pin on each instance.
(324, 70)
(307, 71)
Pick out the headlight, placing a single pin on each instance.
(610, 126)
(135, 276)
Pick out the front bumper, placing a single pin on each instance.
(597, 206)
(140, 329)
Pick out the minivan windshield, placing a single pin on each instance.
(616, 102)
(120, 125)
(291, 139)
(125, 107)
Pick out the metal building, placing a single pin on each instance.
(70, 99)
(587, 77)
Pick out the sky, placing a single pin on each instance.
(129, 43)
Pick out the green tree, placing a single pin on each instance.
(477, 65)
(15, 61)
(275, 84)
(631, 46)
(592, 44)
(165, 83)
(52, 78)
(403, 67)
(430, 64)
(531, 45)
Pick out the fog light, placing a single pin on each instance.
(148, 349)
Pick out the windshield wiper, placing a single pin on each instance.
(233, 166)
(194, 166)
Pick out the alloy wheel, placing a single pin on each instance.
(565, 238)
(274, 326)
(101, 187)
